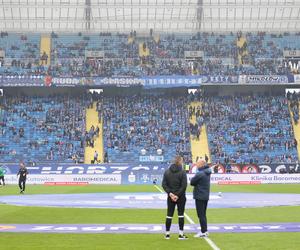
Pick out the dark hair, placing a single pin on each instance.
(178, 160)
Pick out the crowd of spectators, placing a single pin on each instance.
(250, 129)
(21, 54)
(43, 128)
(146, 124)
(294, 98)
(166, 55)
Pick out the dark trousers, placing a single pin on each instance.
(180, 203)
(2, 179)
(201, 206)
(22, 183)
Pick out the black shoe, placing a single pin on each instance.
(182, 237)
(22, 192)
(167, 237)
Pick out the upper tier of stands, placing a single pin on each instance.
(263, 54)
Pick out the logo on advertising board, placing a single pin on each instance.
(260, 79)
(219, 79)
(114, 179)
(131, 178)
(48, 81)
(250, 169)
(218, 169)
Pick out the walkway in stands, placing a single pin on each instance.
(296, 128)
(92, 119)
(45, 46)
(143, 52)
(149, 200)
(240, 43)
(148, 228)
(199, 148)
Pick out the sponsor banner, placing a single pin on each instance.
(291, 53)
(114, 179)
(148, 228)
(172, 81)
(151, 158)
(297, 79)
(193, 54)
(66, 183)
(253, 178)
(206, 80)
(67, 81)
(253, 168)
(94, 53)
(18, 80)
(84, 169)
(142, 177)
(158, 167)
(261, 79)
(119, 81)
(146, 82)
(239, 182)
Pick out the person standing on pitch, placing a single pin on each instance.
(201, 183)
(22, 177)
(174, 183)
(2, 176)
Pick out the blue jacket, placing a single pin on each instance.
(201, 183)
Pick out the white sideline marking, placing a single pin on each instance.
(208, 240)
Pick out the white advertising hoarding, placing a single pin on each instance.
(114, 179)
(231, 179)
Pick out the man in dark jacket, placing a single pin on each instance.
(23, 172)
(201, 183)
(174, 183)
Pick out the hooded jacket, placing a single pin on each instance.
(201, 183)
(175, 180)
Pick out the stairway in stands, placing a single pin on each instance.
(45, 46)
(241, 43)
(296, 128)
(143, 50)
(199, 147)
(92, 119)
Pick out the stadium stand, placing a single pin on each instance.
(42, 129)
(250, 129)
(21, 54)
(242, 129)
(145, 122)
(128, 55)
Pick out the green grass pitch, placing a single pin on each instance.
(18, 214)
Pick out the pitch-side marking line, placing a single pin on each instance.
(209, 241)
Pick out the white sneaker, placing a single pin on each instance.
(201, 235)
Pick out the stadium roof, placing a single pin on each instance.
(141, 15)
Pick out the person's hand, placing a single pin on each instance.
(173, 197)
